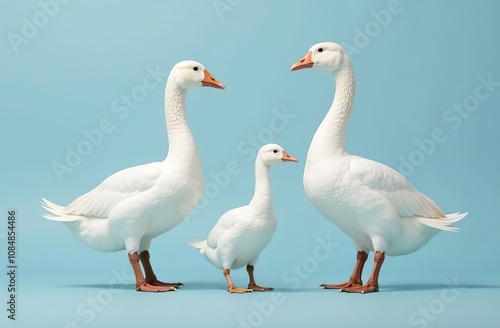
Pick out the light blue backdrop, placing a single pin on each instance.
(422, 106)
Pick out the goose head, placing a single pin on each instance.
(327, 56)
(271, 154)
(190, 74)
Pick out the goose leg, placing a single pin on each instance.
(230, 286)
(355, 279)
(252, 284)
(140, 282)
(150, 275)
(372, 284)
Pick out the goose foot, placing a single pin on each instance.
(257, 288)
(236, 290)
(367, 288)
(156, 282)
(145, 287)
(349, 284)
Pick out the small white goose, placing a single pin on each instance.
(133, 206)
(242, 233)
(370, 202)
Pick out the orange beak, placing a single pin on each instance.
(210, 81)
(288, 158)
(305, 62)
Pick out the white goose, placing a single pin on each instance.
(133, 206)
(370, 202)
(242, 233)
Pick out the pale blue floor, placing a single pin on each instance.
(415, 302)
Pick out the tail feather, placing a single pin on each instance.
(57, 212)
(443, 223)
(199, 244)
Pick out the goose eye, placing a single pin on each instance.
(275, 151)
(320, 50)
(195, 68)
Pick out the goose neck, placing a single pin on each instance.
(344, 94)
(262, 199)
(329, 139)
(180, 138)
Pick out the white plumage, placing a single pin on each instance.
(133, 206)
(242, 233)
(372, 203)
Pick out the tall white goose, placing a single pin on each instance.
(370, 202)
(133, 206)
(243, 232)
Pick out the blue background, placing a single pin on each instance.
(411, 68)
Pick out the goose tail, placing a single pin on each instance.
(445, 223)
(199, 245)
(56, 212)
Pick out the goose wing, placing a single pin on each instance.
(120, 186)
(227, 221)
(389, 183)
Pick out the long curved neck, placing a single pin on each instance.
(180, 140)
(262, 198)
(329, 140)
